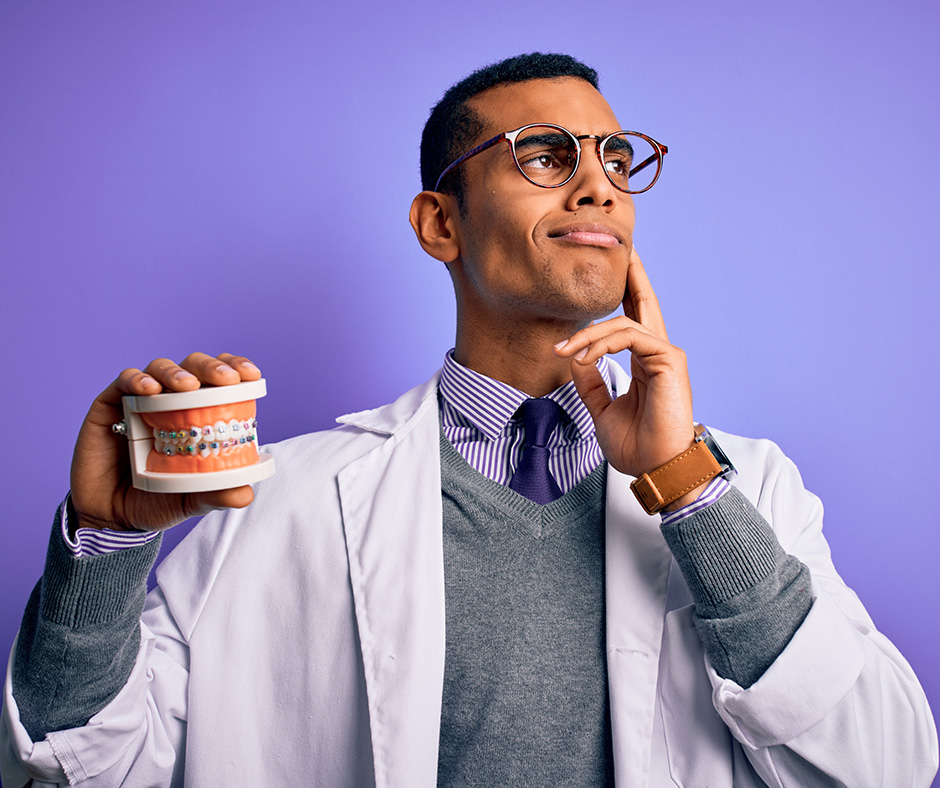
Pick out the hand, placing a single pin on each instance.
(102, 494)
(651, 423)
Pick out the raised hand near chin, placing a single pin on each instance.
(101, 490)
(651, 422)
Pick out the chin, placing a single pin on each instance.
(580, 308)
(597, 297)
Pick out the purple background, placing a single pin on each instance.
(236, 176)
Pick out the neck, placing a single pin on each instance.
(521, 355)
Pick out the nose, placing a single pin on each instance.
(590, 184)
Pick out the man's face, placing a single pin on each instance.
(545, 254)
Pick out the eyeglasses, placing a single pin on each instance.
(548, 156)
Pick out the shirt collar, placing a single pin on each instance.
(490, 404)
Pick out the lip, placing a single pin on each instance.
(588, 234)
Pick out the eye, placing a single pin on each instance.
(546, 154)
(617, 164)
(546, 160)
(618, 157)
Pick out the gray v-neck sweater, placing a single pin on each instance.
(525, 673)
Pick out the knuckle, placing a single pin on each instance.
(159, 366)
(644, 298)
(193, 358)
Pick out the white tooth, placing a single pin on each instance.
(234, 432)
(208, 433)
(215, 447)
(204, 449)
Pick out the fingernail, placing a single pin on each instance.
(561, 344)
(581, 354)
(183, 375)
(223, 368)
(249, 366)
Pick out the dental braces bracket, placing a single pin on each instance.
(140, 440)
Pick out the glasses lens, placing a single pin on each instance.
(631, 162)
(546, 155)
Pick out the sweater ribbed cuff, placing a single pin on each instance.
(80, 634)
(83, 591)
(750, 596)
(723, 549)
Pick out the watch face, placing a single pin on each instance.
(727, 468)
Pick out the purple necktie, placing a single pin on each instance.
(532, 477)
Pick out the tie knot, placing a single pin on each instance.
(540, 417)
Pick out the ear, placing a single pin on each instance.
(434, 219)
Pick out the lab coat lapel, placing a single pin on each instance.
(391, 504)
(637, 577)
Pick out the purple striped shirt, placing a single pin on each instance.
(715, 489)
(478, 416)
(94, 541)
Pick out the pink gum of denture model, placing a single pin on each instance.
(193, 441)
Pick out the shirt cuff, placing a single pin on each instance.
(94, 541)
(716, 488)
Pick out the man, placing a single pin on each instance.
(460, 588)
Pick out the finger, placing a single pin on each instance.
(640, 301)
(131, 381)
(591, 388)
(644, 347)
(242, 365)
(210, 370)
(171, 375)
(584, 337)
(590, 343)
(106, 409)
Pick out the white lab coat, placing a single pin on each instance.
(301, 642)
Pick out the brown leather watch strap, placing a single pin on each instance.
(680, 475)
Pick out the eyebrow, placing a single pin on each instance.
(557, 140)
(619, 143)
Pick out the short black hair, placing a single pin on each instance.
(453, 126)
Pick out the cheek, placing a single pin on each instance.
(498, 243)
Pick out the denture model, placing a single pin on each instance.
(193, 441)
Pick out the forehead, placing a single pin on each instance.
(569, 102)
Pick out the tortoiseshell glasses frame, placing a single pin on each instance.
(619, 141)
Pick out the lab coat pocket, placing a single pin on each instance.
(699, 747)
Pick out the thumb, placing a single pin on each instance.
(199, 504)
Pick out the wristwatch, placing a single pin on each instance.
(682, 474)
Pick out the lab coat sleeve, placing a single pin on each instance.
(136, 738)
(839, 705)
